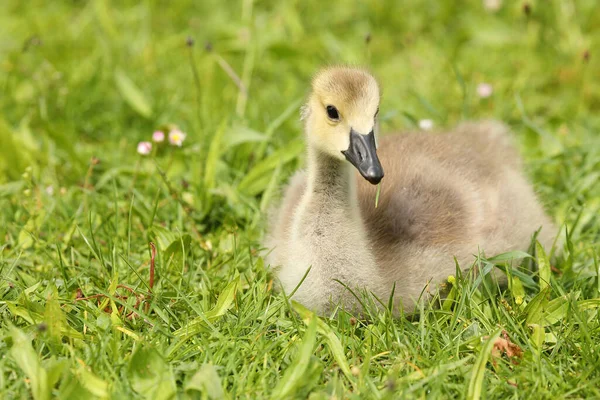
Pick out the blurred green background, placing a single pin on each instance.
(62, 102)
(82, 82)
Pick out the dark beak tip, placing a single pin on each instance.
(375, 179)
(374, 175)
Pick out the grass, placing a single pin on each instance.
(83, 82)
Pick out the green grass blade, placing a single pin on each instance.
(294, 375)
(257, 179)
(27, 359)
(333, 342)
(543, 266)
(132, 94)
(475, 385)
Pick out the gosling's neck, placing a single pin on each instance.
(328, 233)
(331, 182)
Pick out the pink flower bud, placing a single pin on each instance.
(484, 90)
(144, 148)
(158, 136)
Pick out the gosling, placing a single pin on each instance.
(444, 197)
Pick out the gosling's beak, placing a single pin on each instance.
(362, 153)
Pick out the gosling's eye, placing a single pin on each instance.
(333, 113)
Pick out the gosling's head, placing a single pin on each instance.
(341, 118)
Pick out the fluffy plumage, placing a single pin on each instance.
(444, 195)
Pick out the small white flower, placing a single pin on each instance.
(426, 124)
(484, 90)
(176, 137)
(144, 148)
(158, 136)
(50, 190)
(492, 5)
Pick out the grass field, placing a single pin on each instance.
(82, 82)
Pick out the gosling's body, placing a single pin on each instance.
(444, 196)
